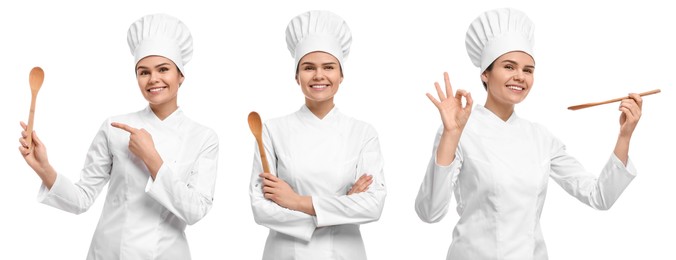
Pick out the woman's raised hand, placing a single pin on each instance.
(36, 157)
(453, 114)
(631, 113)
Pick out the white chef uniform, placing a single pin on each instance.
(501, 168)
(499, 177)
(321, 158)
(142, 218)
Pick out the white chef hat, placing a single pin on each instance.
(497, 32)
(161, 35)
(318, 31)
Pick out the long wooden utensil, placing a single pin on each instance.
(611, 101)
(35, 79)
(256, 129)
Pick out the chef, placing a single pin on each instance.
(498, 164)
(160, 165)
(326, 170)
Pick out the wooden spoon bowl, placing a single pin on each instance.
(35, 79)
(257, 130)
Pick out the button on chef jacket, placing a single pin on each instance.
(321, 158)
(499, 177)
(142, 218)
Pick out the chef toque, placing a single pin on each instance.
(318, 31)
(497, 32)
(161, 35)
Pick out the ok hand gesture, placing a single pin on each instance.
(453, 114)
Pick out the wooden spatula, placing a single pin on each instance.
(610, 101)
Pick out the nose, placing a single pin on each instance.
(154, 78)
(318, 75)
(519, 76)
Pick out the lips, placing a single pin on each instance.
(318, 86)
(155, 89)
(515, 87)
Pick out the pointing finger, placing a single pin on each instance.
(124, 127)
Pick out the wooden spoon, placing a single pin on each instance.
(35, 79)
(611, 101)
(257, 129)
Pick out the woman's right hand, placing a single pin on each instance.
(453, 115)
(36, 157)
(278, 191)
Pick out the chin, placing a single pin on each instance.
(155, 101)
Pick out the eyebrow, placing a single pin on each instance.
(515, 63)
(156, 66)
(324, 64)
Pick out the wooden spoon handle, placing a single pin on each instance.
(655, 91)
(29, 129)
(264, 158)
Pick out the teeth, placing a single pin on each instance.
(155, 89)
(319, 86)
(515, 87)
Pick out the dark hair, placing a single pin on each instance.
(489, 68)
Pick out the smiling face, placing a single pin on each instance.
(159, 79)
(510, 79)
(319, 77)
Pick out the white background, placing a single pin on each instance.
(585, 51)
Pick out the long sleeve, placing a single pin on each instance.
(598, 192)
(77, 198)
(190, 199)
(435, 192)
(268, 213)
(358, 208)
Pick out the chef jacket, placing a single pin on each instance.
(142, 218)
(321, 158)
(499, 177)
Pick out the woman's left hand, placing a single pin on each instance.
(141, 144)
(361, 185)
(631, 113)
